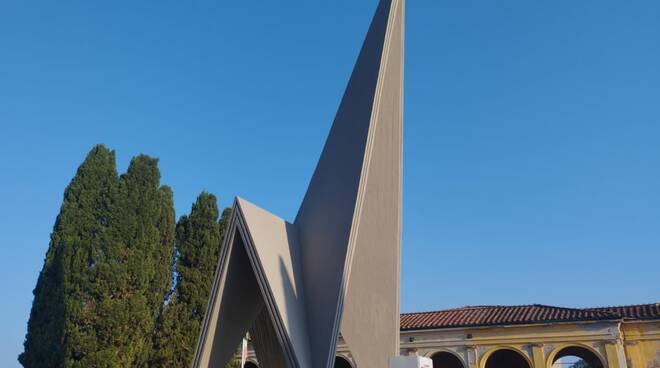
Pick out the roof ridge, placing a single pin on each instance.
(473, 307)
(465, 307)
(606, 310)
(625, 306)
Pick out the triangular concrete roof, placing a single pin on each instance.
(337, 265)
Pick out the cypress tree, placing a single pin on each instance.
(198, 240)
(107, 268)
(79, 236)
(145, 236)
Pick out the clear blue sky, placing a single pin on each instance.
(532, 155)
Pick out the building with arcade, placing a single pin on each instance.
(528, 336)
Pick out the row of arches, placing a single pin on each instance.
(568, 357)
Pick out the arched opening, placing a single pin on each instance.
(341, 362)
(506, 358)
(444, 359)
(250, 365)
(576, 357)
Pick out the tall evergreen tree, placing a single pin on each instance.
(106, 271)
(81, 226)
(198, 239)
(145, 234)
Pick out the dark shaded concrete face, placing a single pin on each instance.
(351, 278)
(240, 304)
(506, 359)
(326, 215)
(264, 338)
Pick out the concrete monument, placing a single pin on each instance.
(296, 286)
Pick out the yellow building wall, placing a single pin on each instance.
(629, 344)
(642, 343)
(618, 344)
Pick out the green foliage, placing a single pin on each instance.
(107, 269)
(198, 239)
(234, 363)
(100, 297)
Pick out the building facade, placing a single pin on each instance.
(532, 336)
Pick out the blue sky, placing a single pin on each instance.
(531, 131)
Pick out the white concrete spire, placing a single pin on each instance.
(337, 265)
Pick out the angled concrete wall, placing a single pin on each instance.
(337, 265)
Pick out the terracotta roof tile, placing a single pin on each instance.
(638, 311)
(472, 316)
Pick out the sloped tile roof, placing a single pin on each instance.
(499, 315)
(639, 311)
